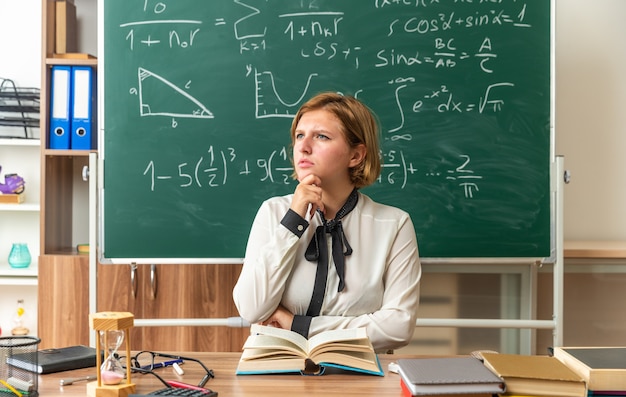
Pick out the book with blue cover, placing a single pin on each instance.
(276, 350)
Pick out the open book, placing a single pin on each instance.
(275, 350)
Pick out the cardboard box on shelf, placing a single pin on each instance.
(12, 198)
(65, 27)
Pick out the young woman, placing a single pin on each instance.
(327, 256)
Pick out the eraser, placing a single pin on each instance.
(178, 369)
(20, 384)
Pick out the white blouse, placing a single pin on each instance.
(382, 274)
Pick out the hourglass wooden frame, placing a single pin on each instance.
(111, 321)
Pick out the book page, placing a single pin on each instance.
(348, 346)
(356, 336)
(295, 338)
(258, 346)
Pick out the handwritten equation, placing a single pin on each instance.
(441, 99)
(321, 31)
(219, 166)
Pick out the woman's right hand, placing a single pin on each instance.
(308, 192)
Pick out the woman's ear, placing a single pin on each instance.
(358, 155)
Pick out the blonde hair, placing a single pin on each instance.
(359, 127)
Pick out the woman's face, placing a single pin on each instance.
(320, 148)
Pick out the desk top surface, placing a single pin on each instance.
(226, 383)
(594, 249)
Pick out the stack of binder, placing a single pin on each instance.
(72, 101)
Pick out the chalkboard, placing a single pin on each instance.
(197, 98)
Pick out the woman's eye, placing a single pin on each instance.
(322, 136)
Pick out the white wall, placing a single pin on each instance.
(591, 116)
(20, 49)
(20, 61)
(20, 42)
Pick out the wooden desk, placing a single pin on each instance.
(594, 249)
(227, 384)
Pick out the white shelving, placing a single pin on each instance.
(19, 142)
(25, 207)
(12, 276)
(20, 223)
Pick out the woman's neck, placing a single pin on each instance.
(335, 199)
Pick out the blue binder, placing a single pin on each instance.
(83, 101)
(60, 111)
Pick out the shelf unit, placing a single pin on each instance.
(20, 223)
(64, 217)
(62, 193)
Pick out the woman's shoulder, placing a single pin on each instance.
(380, 210)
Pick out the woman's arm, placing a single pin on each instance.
(269, 260)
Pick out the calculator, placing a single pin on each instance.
(179, 391)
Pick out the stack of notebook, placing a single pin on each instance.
(570, 372)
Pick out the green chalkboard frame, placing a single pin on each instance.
(196, 99)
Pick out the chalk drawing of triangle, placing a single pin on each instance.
(159, 97)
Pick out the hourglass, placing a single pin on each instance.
(112, 329)
(111, 371)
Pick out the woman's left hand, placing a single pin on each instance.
(281, 318)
